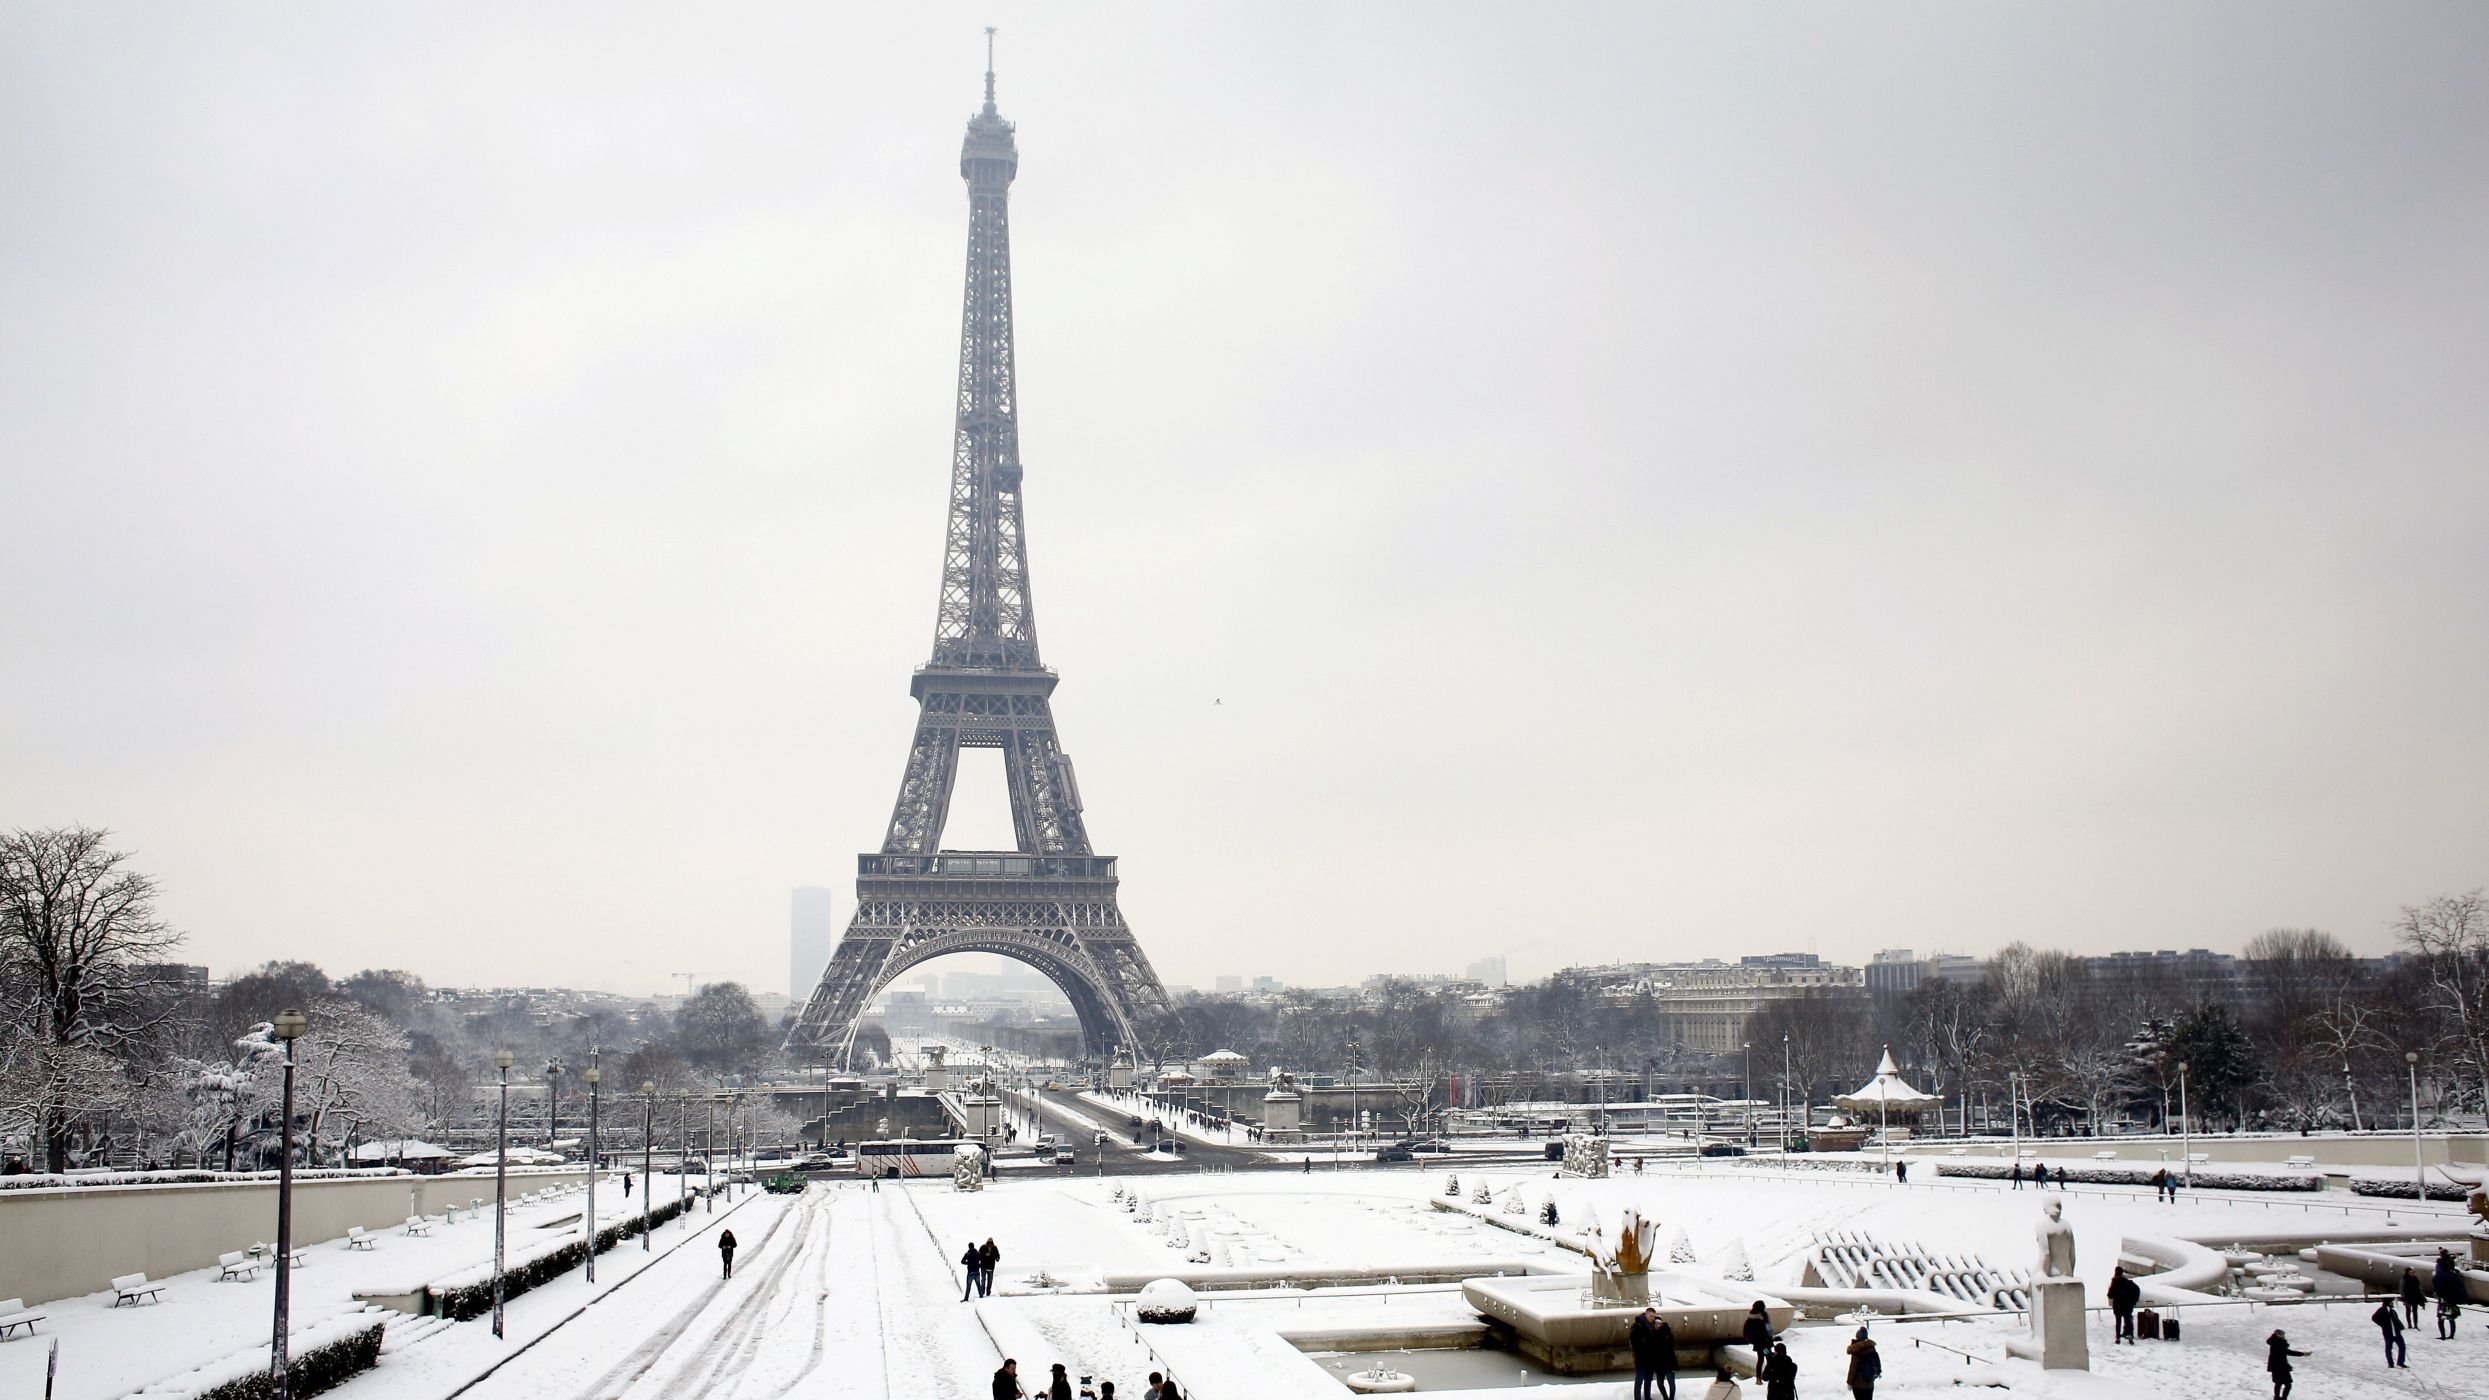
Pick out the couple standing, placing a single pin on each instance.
(979, 1261)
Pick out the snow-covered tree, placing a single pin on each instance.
(351, 1080)
(224, 1094)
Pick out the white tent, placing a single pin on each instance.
(1887, 1093)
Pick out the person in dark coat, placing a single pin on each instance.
(2124, 1293)
(2390, 1322)
(1864, 1366)
(1654, 1345)
(2447, 1284)
(1758, 1333)
(2017, 1176)
(1060, 1386)
(626, 1186)
(2277, 1354)
(1007, 1382)
(2413, 1295)
(972, 1263)
(1780, 1375)
(726, 1252)
(987, 1257)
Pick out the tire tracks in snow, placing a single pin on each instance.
(653, 1352)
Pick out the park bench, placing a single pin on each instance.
(356, 1239)
(2104, 1156)
(418, 1226)
(2199, 1157)
(1959, 1152)
(2298, 1161)
(14, 1314)
(234, 1264)
(266, 1251)
(134, 1289)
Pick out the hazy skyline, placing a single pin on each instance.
(1573, 483)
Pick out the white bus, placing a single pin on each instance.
(912, 1157)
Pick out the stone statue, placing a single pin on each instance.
(2056, 1243)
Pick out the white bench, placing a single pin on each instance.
(417, 1225)
(234, 1264)
(264, 1250)
(1959, 1152)
(134, 1289)
(356, 1239)
(2199, 1157)
(2298, 1161)
(14, 1314)
(2104, 1156)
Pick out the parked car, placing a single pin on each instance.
(1395, 1153)
(1722, 1149)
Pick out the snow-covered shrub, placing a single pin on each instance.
(1547, 1214)
(469, 1293)
(39, 1180)
(1165, 1301)
(1481, 1196)
(1515, 1204)
(1681, 1248)
(1452, 1187)
(2226, 1177)
(322, 1358)
(1734, 1265)
(2402, 1188)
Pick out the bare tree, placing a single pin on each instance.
(2449, 936)
(74, 924)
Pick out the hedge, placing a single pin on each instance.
(307, 1373)
(474, 1300)
(38, 1181)
(2221, 1178)
(2406, 1190)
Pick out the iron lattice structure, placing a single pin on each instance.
(1051, 902)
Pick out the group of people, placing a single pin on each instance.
(1058, 1386)
(979, 1262)
(2445, 1285)
(1654, 1346)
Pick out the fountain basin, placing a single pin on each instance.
(1547, 1318)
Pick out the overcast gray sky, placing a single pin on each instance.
(1642, 481)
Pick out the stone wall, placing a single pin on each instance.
(68, 1240)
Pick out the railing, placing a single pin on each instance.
(988, 865)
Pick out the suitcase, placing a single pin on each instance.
(2169, 1329)
(2147, 1326)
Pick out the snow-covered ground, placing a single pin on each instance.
(849, 1291)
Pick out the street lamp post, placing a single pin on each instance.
(682, 1155)
(502, 1060)
(287, 1027)
(708, 1160)
(648, 1160)
(595, 1075)
(552, 1103)
(2013, 1112)
(1784, 1093)
(2186, 1130)
(2419, 1159)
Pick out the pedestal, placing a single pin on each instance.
(2057, 1339)
(1283, 1115)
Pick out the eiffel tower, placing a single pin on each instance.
(1050, 903)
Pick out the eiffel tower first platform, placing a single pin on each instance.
(1051, 902)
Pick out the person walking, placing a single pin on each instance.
(1007, 1382)
(2277, 1354)
(2017, 1176)
(726, 1253)
(1758, 1334)
(2390, 1322)
(987, 1257)
(1723, 1385)
(1060, 1387)
(1780, 1375)
(1864, 1366)
(2124, 1293)
(1654, 1346)
(973, 1263)
(626, 1186)
(2413, 1295)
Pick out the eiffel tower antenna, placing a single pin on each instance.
(1049, 902)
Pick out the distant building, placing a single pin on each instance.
(1230, 984)
(810, 928)
(1267, 984)
(1895, 972)
(1487, 970)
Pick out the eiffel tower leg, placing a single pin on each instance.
(925, 789)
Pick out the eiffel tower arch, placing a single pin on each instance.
(1050, 901)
